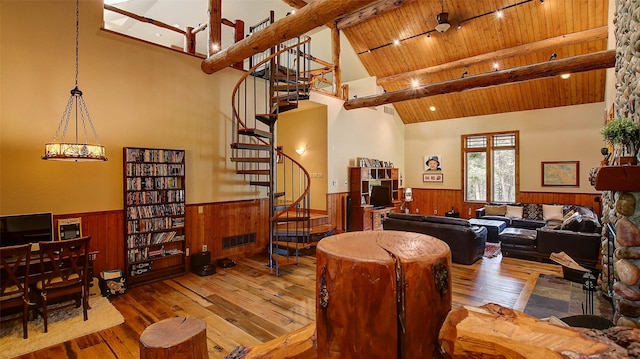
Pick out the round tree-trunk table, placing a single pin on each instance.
(381, 294)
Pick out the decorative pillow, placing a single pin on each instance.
(532, 211)
(572, 223)
(514, 211)
(569, 214)
(495, 210)
(586, 212)
(551, 212)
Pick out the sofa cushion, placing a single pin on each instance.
(572, 223)
(447, 220)
(552, 212)
(527, 223)
(514, 211)
(532, 211)
(407, 216)
(504, 219)
(589, 225)
(491, 210)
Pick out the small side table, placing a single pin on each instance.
(177, 337)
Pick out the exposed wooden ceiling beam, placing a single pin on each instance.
(598, 33)
(308, 18)
(296, 4)
(594, 61)
(370, 11)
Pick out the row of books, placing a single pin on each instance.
(150, 155)
(158, 210)
(151, 183)
(155, 196)
(147, 239)
(144, 254)
(154, 224)
(154, 169)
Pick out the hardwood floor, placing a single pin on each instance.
(246, 305)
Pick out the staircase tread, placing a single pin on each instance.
(260, 183)
(250, 159)
(255, 132)
(253, 172)
(293, 219)
(250, 146)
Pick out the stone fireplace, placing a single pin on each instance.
(621, 184)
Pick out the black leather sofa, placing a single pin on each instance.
(579, 237)
(465, 241)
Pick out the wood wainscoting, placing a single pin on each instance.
(426, 201)
(206, 223)
(337, 210)
(209, 223)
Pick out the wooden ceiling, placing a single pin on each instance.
(446, 56)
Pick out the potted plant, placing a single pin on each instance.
(624, 135)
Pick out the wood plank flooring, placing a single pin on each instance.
(246, 305)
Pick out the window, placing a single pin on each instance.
(491, 167)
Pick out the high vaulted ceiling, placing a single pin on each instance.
(529, 32)
(449, 55)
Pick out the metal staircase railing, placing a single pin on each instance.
(274, 85)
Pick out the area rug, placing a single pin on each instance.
(491, 249)
(64, 325)
(561, 298)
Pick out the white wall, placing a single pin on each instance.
(364, 132)
(569, 133)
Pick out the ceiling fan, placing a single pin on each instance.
(443, 20)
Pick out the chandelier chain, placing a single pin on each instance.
(77, 36)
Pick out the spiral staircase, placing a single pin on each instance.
(278, 80)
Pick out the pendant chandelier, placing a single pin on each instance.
(76, 151)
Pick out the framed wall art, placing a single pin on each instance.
(432, 177)
(432, 163)
(561, 173)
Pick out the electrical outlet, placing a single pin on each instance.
(417, 211)
(187, 251)
(204, 247)
(435, 211)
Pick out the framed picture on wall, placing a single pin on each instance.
(561, 173)
(432, 177)
(432, 163)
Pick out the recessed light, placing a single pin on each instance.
(415, 83)
(565, 76)
(158, 34)
(396, 42)
(432, 108)
(499, 14)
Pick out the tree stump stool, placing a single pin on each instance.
(381, 294)
(174, 338)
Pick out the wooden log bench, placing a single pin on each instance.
(175, 338)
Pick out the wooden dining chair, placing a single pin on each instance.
(64, 268)
(14, 280)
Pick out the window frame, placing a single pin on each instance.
(489, 151)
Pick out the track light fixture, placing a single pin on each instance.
(553, 56)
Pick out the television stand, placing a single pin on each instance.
(364, 185)
(379, 215)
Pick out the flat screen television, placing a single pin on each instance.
(25, 228)
(380, 196)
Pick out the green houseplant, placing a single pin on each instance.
(624, 135)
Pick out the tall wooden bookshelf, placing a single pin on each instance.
(154, 209)
(362, 179)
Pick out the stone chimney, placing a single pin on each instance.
(621, 184)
